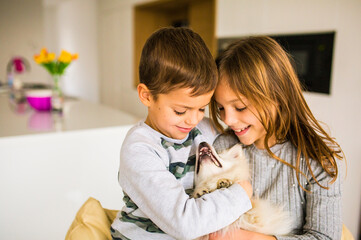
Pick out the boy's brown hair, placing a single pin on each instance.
(174, 58)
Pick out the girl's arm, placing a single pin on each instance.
(241, 234)
(322, 208)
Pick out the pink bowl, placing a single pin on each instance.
(39, 99)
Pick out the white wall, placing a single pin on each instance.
(341, 110)
(116, 56)
(21, 34)
(73, 26)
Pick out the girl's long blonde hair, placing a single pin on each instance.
(259, 69)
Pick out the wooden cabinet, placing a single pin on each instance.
(199, 15)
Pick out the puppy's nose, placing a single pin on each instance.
(204, 144)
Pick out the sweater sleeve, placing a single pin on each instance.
(225, 141)
(323, 208)
(162, 198)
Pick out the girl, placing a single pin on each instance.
(294, 161)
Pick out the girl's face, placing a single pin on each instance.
(240, 116)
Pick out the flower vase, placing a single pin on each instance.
(57, 98)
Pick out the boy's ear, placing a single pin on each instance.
(144, 94)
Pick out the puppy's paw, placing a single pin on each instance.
(253, 218)
(198, 192)
(224, 183)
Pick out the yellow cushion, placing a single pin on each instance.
(91, 222)
(346, 234)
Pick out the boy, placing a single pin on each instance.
(177, 79)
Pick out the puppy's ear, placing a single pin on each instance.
(234, 152)
(144, 94)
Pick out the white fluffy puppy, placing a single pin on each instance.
(215, 171)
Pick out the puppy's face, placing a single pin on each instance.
(209, 163)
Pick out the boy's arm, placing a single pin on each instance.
(158, 194)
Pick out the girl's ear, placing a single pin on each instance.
(144, 94)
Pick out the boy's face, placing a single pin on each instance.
(176, 113)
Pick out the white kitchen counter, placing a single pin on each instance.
(21, 119)
(51, 164)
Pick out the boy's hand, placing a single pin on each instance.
(246, 185)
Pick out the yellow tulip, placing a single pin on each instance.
(54, 66)
(65, 57)
(50, 57)
(74, 56)
(44, 56)
(43, 51)
(38, 59)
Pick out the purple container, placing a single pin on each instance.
(39, 99)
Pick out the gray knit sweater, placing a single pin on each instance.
(316, 215)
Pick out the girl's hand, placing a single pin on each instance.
(247, 186)
(241, 234)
